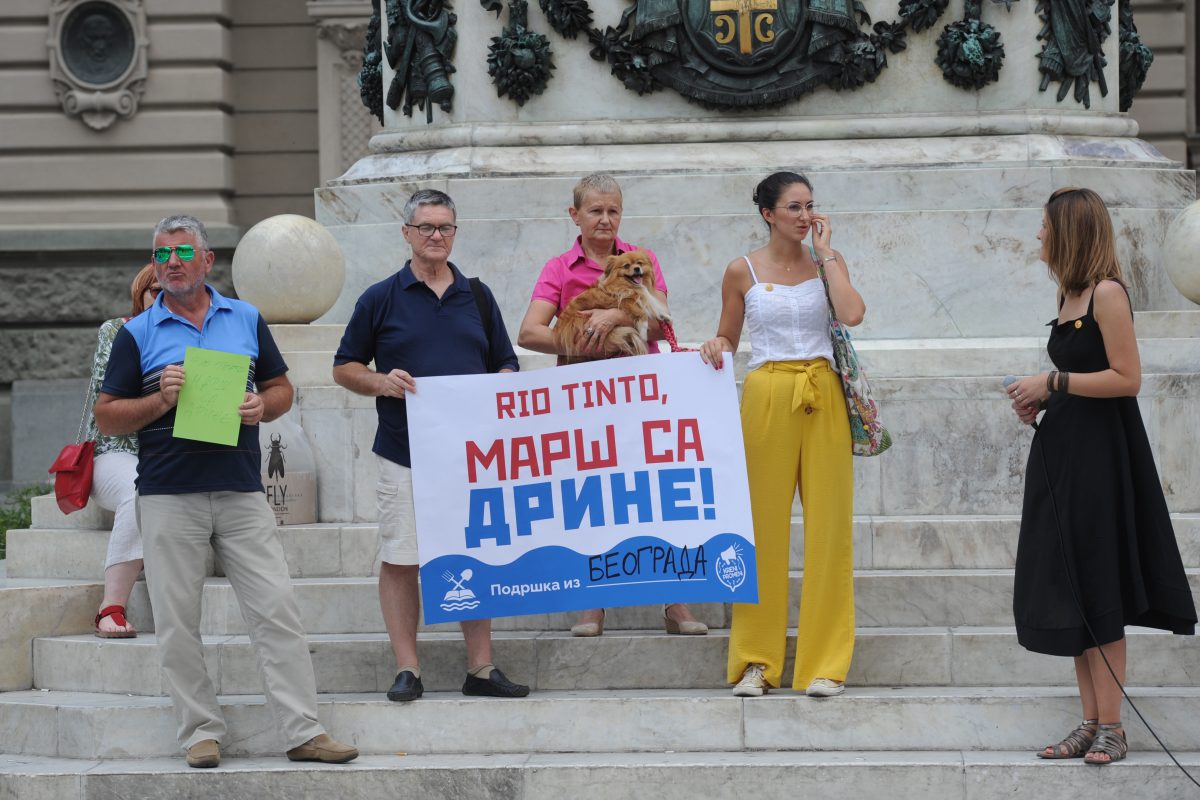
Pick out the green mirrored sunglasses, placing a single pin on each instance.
(162, 255)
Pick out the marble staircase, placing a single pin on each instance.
(942, 703)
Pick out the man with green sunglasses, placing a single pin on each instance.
(163, 254)
(195, 494)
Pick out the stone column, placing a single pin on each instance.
(344, 124)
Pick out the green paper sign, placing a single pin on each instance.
(214, 386)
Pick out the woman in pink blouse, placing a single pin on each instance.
(596, 209)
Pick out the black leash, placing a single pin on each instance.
(1062, 548)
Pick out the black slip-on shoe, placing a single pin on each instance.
(495, 685)
(407, 687)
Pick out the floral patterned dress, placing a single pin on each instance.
(106, 444)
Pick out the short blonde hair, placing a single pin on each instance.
(597, 182)
(1080, 248)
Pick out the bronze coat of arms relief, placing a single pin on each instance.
(745, 52)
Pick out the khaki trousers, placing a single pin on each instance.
(798, 435)
(177, 530)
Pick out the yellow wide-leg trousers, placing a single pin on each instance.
(797, 434)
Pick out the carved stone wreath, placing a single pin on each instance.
(98, 58)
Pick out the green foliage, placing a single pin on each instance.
(15, 511)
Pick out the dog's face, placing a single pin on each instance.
(633, 267)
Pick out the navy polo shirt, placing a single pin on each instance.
(156, 338)
(399, 323)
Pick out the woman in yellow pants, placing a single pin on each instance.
(797, 435)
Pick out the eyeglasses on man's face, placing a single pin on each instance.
(427, 230)
(162, 255)
(796, 209)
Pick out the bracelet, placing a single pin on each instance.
(827, 259)
(1050, 378)
(1064, 379)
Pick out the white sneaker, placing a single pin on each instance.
(752, 684)
(823, 687)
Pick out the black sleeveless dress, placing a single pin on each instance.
(1116, 532)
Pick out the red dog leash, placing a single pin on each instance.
(668, 331)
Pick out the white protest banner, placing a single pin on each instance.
(611, 483)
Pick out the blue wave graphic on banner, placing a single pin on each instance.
(642, 570)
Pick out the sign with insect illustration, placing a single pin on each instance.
(289, 472)
(611, 483)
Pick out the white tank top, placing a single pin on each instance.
(787, 323)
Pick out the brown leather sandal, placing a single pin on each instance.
(118, 616)
(1110, 742)
(1077, 743)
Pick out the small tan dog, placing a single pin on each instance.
(623, 285)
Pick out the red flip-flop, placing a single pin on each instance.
(118, 616)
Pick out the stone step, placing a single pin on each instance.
(556, 661)
(318, 550)
(324, 338)
(45, 514)
(89, 726)
(884, 598)
(1167, 324)
(1150, 325)
(882, 358)
(38, 607)
(844, 775)
(349, 550)
(958, 448)
(313, 336)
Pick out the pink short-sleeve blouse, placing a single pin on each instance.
(567, 275)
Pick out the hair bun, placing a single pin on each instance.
(754, 197)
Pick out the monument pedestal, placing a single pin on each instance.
(935, 192)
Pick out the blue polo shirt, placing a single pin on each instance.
(399, 323)
(156, 338)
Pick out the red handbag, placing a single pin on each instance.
(72, 472)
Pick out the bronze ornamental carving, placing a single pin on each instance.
(744, 54)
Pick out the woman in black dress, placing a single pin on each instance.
(1094, 509)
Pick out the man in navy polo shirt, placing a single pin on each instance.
(192, 494)
(424, 320)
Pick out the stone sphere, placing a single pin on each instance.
(290, 267)
(1181, 252)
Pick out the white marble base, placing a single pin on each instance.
(939, 232)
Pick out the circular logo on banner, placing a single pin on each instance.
(731, 569)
